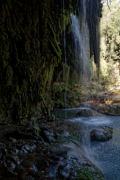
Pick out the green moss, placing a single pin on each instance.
(53, 41)
(85, 175)
(9, 75)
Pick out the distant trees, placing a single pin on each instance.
(110, 31)
(110, 41)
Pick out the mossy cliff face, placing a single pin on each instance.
(31, 52)
(94, 15)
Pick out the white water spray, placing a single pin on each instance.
(80, 33)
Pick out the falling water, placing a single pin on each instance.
(80, 33)
(104, 155)
(65, 58)
(64, 41)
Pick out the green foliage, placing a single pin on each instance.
(85, 175)
(110, 29)
(53, 41)
(110, 40)
(58, 91)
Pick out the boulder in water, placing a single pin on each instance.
(101, 134)
(86, 112)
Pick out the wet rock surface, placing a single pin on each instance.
(26, 153)
(86, 112)
(106, 102)
(101, 133)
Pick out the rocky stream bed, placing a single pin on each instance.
(54, 150)
(45, 153)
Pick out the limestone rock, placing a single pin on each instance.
(101, 134)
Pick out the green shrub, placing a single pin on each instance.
(85, 175)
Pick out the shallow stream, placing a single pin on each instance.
(105, 155)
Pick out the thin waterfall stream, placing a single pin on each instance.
(64, 52)
(80, 33)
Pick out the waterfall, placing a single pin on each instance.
(80, 33)
(65, 57)
(64, 43)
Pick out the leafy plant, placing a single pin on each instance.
(85, 175)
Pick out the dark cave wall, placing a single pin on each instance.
(31, 53)
(94, 9)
